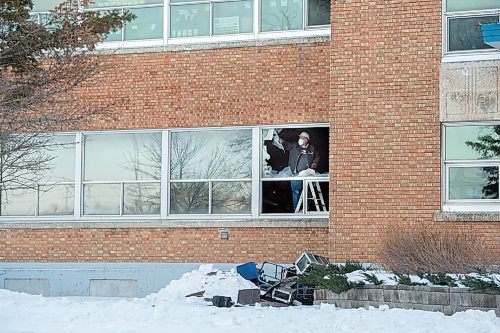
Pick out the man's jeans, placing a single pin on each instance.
(296, 191)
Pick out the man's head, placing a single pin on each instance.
(304, 138)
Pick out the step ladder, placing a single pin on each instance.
(316, 196)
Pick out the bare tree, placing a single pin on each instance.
(42, 68)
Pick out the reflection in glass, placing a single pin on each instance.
(148, 24)
(122, 157)
(234, 17)
(45, 5)
(214, 154)
(231, 197)
(141, 198)
(101, 199)
(318, 12)
(190, 20)
(189, 198)
(472, 142)
(463, 5)
(473, 183)
(18, 202)
(56, 200)
(278, 15)
(62, 163)
(465, 33)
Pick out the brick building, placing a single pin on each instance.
(390, 92)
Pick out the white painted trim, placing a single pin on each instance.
(78, 205)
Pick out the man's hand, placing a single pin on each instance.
(314, 166)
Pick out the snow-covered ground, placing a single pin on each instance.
(169, 311)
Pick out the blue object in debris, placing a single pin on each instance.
(491, 34)
(248, 270)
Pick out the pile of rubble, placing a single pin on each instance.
(276, 283)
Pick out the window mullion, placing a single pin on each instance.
(79, 155)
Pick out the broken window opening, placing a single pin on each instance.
(290, 166)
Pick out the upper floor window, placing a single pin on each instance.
(462, 22)
(173, 21)
(472, 164)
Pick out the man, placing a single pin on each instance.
(302, 156)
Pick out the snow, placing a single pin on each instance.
(391, 279)
(170, 311)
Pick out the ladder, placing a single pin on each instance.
(316, 196)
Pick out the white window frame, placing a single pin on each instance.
(465, 55)
(166, 40)
(255, 180)
(122, 183)
(465, 205)
(36, 189)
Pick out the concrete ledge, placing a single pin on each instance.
(440, 216)
(115, 223)
(443, 299)
(218, 45)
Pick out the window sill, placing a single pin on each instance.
(448, 216)
(305, 222)
(217, 42)
(465, 57)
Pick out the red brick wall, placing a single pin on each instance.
(385, 129)
(220, 87)
(235, 86)
(160, 245)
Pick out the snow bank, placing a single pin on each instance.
(206, 278)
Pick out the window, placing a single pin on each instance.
(294, 179)
(209, 18)
(122, 174)
(463, 19)
(247, 172)
(229, 19)
(211, 172)
(472, 161)
(49, 190)
(148, 22)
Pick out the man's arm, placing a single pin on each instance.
(315, 161)
(286, 144)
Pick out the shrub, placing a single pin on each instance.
(475, 283)
(329, 278)
(441, 279)
(420, 249)
(373, 279)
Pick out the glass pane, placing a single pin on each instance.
(123, 157)
(190, 20)
(461, 5)
(231, 197)
(148, 24)
(318, 12)
(62, 166)
(278, 197)
(45, 5)
(472, 142)
(465, 33)
(141, 199)
(189, 198)
(277, 15)
(317, 197)
(56, 200)
(18, 202)
(213, 154)
(114, 36)
(234, 17)
(122, 3)
(474, 183)
(101, 199)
